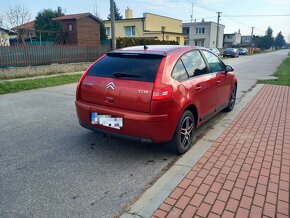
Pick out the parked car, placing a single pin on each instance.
(231, 52)
(155, 93)
(216, 51)
(243, 51)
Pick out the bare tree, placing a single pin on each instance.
(1, 21)
(4, 37)
(16, 16)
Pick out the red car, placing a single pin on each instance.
(155, 93)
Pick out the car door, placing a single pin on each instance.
(222, 79)
(203, 83)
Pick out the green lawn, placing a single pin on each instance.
(282, 72)
(21, 85)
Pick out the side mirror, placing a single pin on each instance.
(229, 68)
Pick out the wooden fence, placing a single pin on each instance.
(34, 55)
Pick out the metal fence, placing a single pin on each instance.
(33, 55)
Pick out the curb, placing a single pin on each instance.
(156, 194)
(38, 77)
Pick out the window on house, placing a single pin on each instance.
(200, 30)
(199, 43)
(108, 31)
(185, 30)
(129, 31)
(70, 27)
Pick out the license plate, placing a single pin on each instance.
(107, 120)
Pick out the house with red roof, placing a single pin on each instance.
(80, 29)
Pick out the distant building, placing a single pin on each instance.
(26, 31)
(203, 34)
(232, 40)
(80, 29)
(6, 36)
(246, 40)
(149, 26)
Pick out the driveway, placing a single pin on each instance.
(51, 167)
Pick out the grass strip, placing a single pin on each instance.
(283, 74)
(21, 85)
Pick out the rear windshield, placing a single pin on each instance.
(139, 67)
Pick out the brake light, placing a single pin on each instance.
(78, 93)
(162, 92)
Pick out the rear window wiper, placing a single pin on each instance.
(123, 74)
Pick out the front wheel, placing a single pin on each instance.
(232, 100)
(184, 133)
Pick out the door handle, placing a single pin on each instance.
(198, 87)
(218, 81)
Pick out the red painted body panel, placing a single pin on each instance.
(153, 119)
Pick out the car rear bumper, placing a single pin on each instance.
(137, 126)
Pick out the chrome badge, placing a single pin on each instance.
(143, 91)
(111, 85)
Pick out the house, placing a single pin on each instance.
(26, 31)
(6, 36)
(80, 29)
(246, 40)
(203, 34)
(232, 40)
(149, 26)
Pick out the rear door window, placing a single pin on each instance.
(194, 63)
(138, 67)
(214, 63)
(179, 73)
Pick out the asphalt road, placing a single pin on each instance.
(52, 167)
(249, 69)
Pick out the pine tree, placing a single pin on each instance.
(118, 15)
(279, 41)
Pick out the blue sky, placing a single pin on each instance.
(181, 9)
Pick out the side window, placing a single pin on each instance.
(194, 63)
(179, 73)
(213, 61)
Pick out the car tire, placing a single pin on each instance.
(232, 100)
(184, 133)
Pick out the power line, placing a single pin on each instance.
(259, 15)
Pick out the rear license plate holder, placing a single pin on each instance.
(107, 120)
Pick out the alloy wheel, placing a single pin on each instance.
(186, 132)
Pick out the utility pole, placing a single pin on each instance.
(113, 24)
(218, 28)
(252, 36)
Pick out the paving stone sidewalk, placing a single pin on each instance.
(245, 173)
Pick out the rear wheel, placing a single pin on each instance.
(232, 100)
(184, 133)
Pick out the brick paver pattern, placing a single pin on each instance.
(245, 173)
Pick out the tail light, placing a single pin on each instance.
(78, 92)
(160, 90)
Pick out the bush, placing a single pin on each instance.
(127, 42)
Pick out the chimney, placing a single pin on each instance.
(128, 13)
